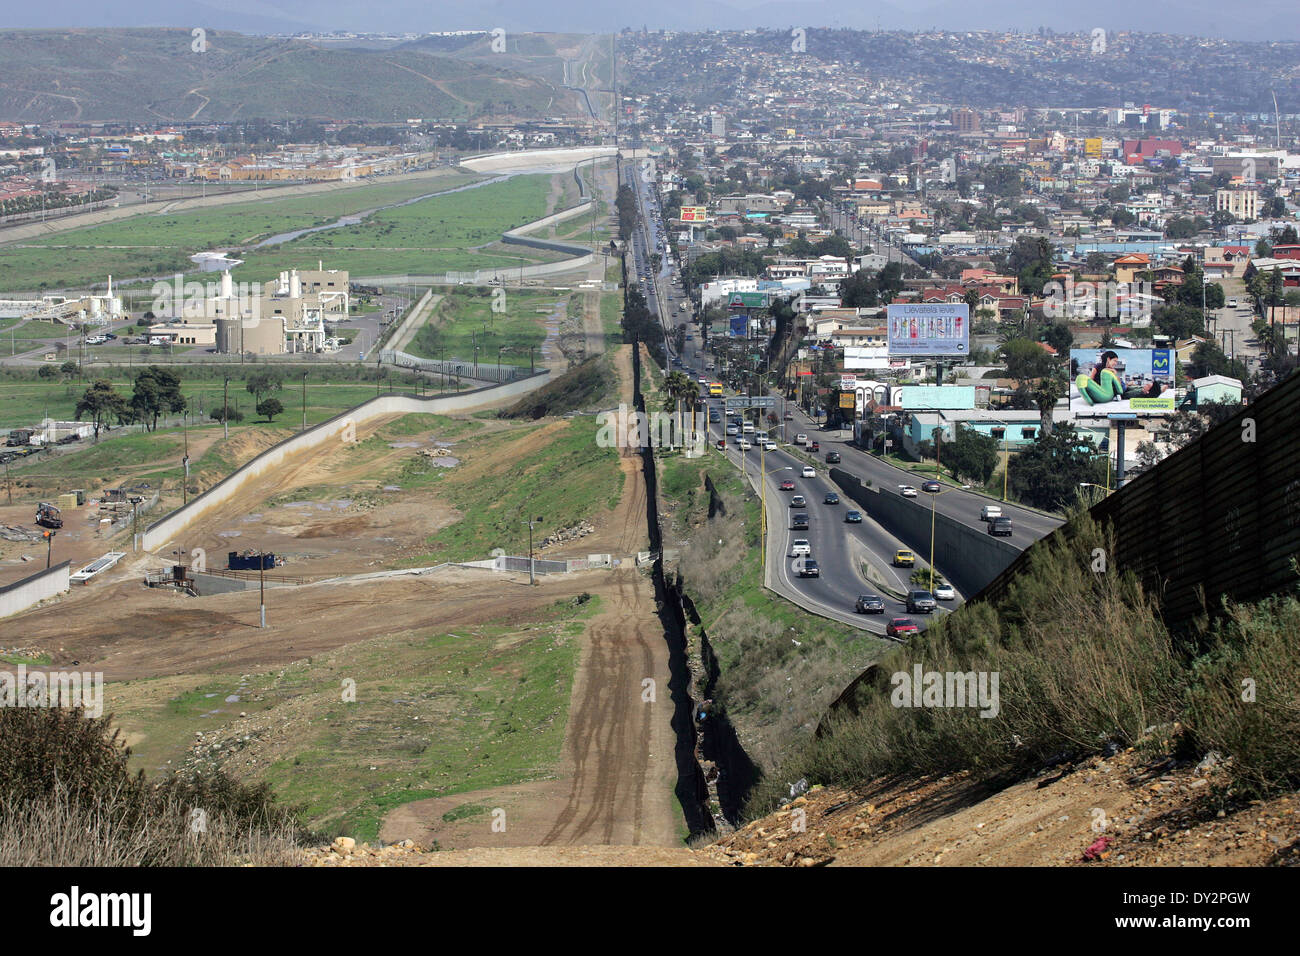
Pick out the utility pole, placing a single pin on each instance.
(261, 585)
(225, 408)
(304, 401)
(532, 562)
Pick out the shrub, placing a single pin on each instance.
(67, 799)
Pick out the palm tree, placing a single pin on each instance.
(677, 386)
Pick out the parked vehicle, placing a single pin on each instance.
(902, 627)
(989, 512)
(920, 602)
(800, 548)
(853, 517)
(810, 569)
(904, 558)
(1000, 527)
(870, 604)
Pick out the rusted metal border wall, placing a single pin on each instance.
(1221, 516)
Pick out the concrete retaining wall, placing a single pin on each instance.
(338, 428)
(968, 557)
(538, 158)
(35, 588)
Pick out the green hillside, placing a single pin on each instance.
(154, 75)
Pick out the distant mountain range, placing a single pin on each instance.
(1261, 20)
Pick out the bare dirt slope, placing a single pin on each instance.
(615, 782)
(1150, 812)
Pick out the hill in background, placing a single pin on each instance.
(155, 76)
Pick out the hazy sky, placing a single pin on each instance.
(1267, 19)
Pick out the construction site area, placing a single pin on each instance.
(475, 690)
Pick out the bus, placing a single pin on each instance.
(715, 390)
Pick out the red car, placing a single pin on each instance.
(900, 626)
(787, 485)
(722, 443)
(815, 446)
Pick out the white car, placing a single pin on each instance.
(801, 548)
(989, 512)
(907, 491)
(808, 472)
(800, 438)
(744, 445)
(944, 592)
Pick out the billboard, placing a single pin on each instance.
(847, 400)
(941, 328)
(694, 214)
(1103, 382)
(739, 326)
(848, 382)
(747, 300)
(862, 358)
(1092, 147)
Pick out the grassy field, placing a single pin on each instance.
(427, 238)
(464, 318)
(434, 235)
(435, 714)
(26, 399)
(538, 480)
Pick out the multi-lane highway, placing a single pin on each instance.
(841, 549)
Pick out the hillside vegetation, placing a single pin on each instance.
(155, 75)
(1086, 666)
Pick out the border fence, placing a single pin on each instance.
(1219, 518)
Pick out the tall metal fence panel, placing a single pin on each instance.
(1219, 518)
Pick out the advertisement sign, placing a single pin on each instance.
(941, 328)
(846, 400)
(848, 382)
(1092, 147)
(695, 214)
(738, 326)
(864, 358)
(1103, 382)
(746, 300)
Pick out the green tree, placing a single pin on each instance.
(269, 408)
(1024, 359)
(971, 455)
(1048, 471)
(100, 402)
(1180, 321)
(157, 391)
(263, 384)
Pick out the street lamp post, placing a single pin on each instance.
(532, 563)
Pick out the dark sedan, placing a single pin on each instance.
(853, 517)
(870, 604)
